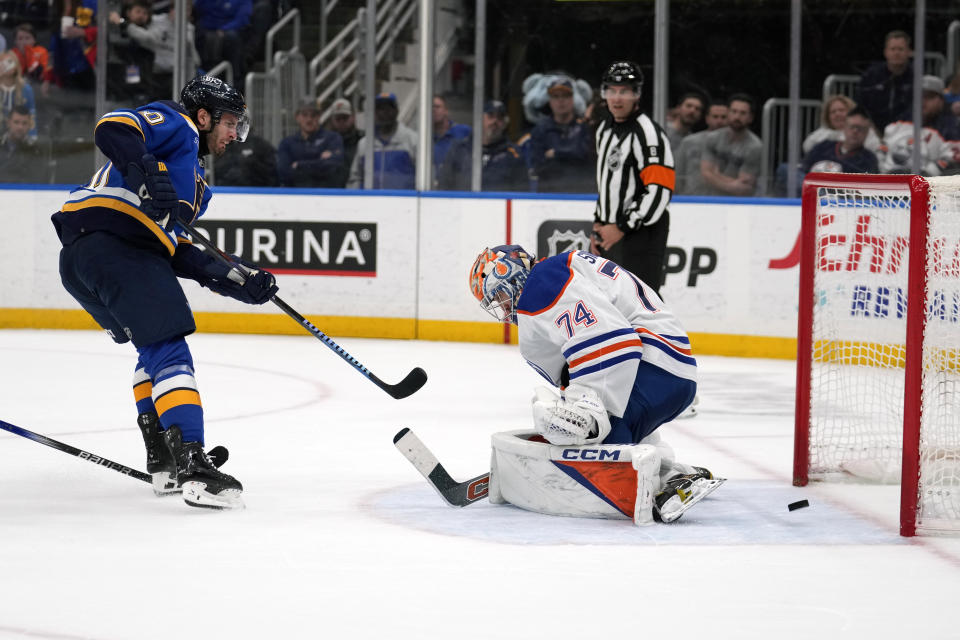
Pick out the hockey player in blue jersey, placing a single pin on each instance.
(123, 252)
(619, 356)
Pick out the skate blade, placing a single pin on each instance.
(164, 484)
(195, 494)
(701, 489)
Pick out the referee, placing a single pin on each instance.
(635, 179)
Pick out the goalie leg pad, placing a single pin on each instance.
(593, 481)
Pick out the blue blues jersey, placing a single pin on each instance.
(107, 202)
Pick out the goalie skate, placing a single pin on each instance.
(682, 492)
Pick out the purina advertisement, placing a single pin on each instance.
(397, 265)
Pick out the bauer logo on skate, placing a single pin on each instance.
(299, 248)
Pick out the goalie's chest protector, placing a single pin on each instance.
(590, 314)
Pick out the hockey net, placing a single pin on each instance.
(878, 362)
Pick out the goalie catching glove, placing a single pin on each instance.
(577, 417)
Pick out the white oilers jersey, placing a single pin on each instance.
(590, 314)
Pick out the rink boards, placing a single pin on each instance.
(394, 265)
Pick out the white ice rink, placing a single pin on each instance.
(342, 539)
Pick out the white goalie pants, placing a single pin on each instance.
(590, 481)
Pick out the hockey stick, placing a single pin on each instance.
(218, 455)
(80, 453)
(456, 494)
(408, 386)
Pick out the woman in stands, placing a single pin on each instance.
(833, 117)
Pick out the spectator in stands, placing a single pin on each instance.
(850, 154)
(35, 12)
(14, 91)
(687, 156)
(940, 137)
(503, 167)
(833, 120)
(561, 145)
(344, 121)
(129, 65)
(312, 157)
(730, 163)
(886, 88)
(20, 157)
(73, 48)
(686, 116)
(155, 32)
(251, 163)
(445, 133)
(34, 60)
(221, 26)
(394, 150)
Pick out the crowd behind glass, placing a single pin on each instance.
(48, 59)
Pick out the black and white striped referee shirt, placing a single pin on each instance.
(635, 172)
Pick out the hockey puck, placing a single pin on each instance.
(799, 504)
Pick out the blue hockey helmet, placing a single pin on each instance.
(497, 278)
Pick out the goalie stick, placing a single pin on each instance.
(408, 386)
(456, 494)
(218, 455)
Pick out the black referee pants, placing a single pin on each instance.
(643, 252)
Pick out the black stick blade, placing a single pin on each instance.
(406, 387)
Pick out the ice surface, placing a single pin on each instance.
(341, 538)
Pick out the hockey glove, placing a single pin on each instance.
(577, 418)
(258, 285)
(151, 182)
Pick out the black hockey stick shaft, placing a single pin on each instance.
(80, 453)
(456, 494)
(408, 386)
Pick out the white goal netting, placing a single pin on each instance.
(857, 378)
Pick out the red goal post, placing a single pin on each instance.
(878, 340)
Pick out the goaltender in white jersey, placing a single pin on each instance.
(619, 356)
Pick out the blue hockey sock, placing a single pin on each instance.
(143, 390)
(174, 389)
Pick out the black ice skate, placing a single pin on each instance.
(202, 484)
(160, 463)
(682, 492)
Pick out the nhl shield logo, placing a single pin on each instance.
(614, 160)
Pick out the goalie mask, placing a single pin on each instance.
(497, 279)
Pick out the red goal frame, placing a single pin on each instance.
(919, 190)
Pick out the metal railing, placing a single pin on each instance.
(775, 134)
(336, 70)
(840, 84)
(953, 47)
(272, 95)
(222, 70)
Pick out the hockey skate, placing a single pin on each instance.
(160, 463)
(203, 485)
(682, 492)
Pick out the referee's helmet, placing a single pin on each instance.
(623, 72)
